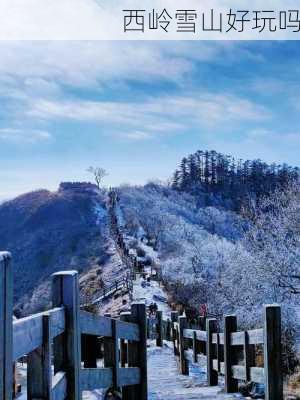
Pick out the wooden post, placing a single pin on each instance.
(159, 329)
(249, 356)
(202, 323)
(6, 320)
(138, 316)
(272, 353)
(108, 349)
(125, 316)
(230, 325)
(168, 330)
(195, 347)
(174, 318)
(131, 392)
(115, 353)
(184, 367)
(219, 353)
(212, 375)
(39, 374)
(65, 292)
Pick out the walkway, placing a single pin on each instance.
(164, 380)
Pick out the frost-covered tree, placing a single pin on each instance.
(98, 173)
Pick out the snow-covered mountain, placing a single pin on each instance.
(50, 231)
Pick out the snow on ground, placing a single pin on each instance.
(149, 294)
(164, 380)
(149, 251)
(165, 383)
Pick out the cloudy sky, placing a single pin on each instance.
(136, 108)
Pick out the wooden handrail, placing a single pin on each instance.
(221, 350)
(65, 325)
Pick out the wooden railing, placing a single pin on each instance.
(107, 290)
(52, 341)
(231, 353)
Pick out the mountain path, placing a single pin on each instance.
(164, 380)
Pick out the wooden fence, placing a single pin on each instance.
(56, 367)
(231, 353)
(123, 283)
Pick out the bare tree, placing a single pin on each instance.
(98, 173)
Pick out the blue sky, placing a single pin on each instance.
(136, 108)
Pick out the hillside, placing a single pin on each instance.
(208, 253)
(50, 231)
(216, 257)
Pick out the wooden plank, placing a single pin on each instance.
(200, 335)
(214, 338)
(272, 353)
(129, 331)
(129, 376)
(27, 335)
(215, 364)
(65, 291)
(238, 372)
(257, 375)
(92, 324)
(96, 378)
(188, 355)
(212, 375)
(58, 321)
(188, 333)
(59, 386)
(221, 339)
(6, 316)
(218, 338)
(222, 368)
(230, 326)
(256, 336)
(28, 332)
(39, 374)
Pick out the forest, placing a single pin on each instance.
(227, 234)
(230, 180)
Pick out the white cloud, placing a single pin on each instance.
(89, 64)
(45, 67)
(45, 81)
(154, 116)
(138, 135)
(23, 136)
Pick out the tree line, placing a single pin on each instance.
(239, 180)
